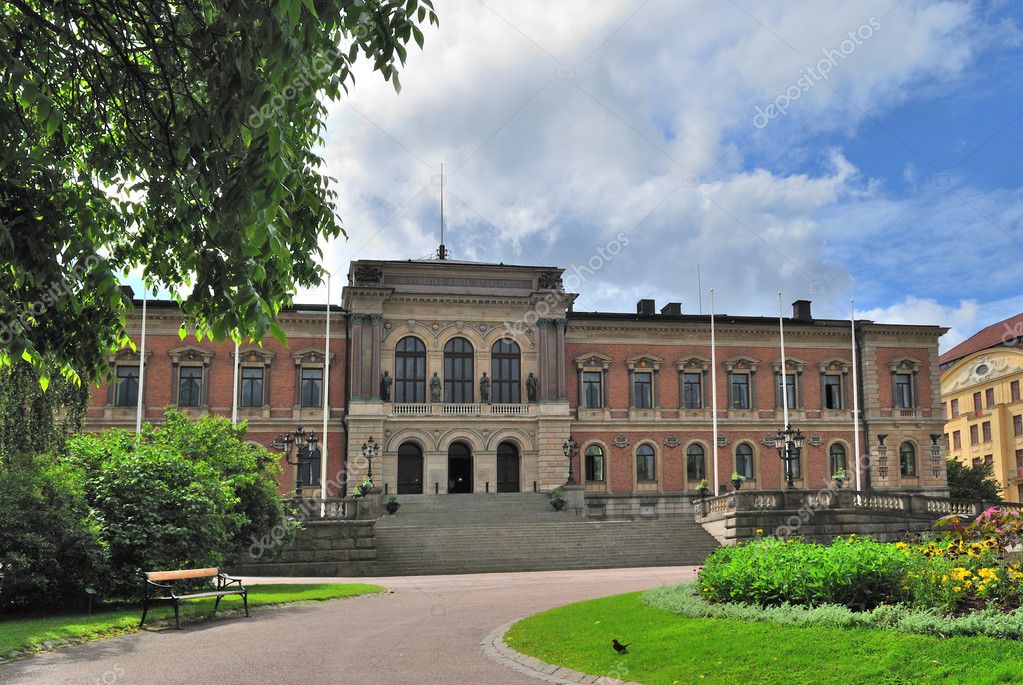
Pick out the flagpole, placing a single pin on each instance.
(142, 362)
(234, 394)
(855, 394)
(326, 403)
(714, 390)
(784, 371)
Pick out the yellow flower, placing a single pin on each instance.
(760, 531)
(901, 545)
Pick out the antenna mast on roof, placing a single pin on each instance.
(442, 252)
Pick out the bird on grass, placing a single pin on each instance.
(619, 647)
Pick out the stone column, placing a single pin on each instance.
(356, 353)
(543, 359)
(378, 324)
(560, 356)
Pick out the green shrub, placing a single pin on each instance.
(182, 494)
(853, 572)
(49, 544)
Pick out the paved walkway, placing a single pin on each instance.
(428, 631)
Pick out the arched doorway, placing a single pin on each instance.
(459, 468)
(507, 467)
(410, 469)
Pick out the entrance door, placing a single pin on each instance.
(507, 467)
(410, 469)
(459, 468)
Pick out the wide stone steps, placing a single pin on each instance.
(516, 545)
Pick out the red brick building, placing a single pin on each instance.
(412, 342)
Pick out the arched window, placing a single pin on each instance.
(836, 458)
(505, 375)
(907, 459)
(595, 464)
(744, 460)
(646, 469)
(410, 370)
(696, 463)
(458, 374)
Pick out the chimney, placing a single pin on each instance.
(128, 292)
(645, 307)
(672, 309)
(801, 310)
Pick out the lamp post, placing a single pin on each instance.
(370, 449)
(299, 439)
(571, 449)
(789, 443)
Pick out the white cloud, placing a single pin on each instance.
(650, 135)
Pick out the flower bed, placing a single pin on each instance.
(967, 569)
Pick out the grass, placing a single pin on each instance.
(28, 634)
(670, 649)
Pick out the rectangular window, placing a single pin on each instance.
(1017, 424)
(986, 429)
(976, 462)
(989, 397)
(593, 389)
(692, 390)
(127, 392)
(252, 386)
(1019, 459)
(1014, 390)
(833, 392)
(790, 391)
(977, 407)
(957, 440)
(903, 390)
(954, 405)
(189, 386)
(974, 434)
(642, 390)
(740, 398)
(989, 460)
(312, 387)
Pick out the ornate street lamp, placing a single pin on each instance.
(571, 449)
(297, 440)
(370, 449)
(789, 443)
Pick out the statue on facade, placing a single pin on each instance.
(484, 388)
(531, 388)
(385, 387)
(435, 388)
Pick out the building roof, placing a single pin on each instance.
(1008, 332)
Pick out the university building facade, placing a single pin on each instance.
(471, 377)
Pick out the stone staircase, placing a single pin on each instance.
(433, 534)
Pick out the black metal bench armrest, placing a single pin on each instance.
(163, 585)
(223, 580)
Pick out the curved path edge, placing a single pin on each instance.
(494, 646)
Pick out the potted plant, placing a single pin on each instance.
(840, 476)
(392, 504)
(557, 500)
(737, 480)
(364, 489)
(704, 488)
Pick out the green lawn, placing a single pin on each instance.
(17, 634)
(670, 649)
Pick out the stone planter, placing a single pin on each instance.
(391, 507)
(558, 504)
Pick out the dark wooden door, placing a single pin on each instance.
(410, 470)
(507, 468)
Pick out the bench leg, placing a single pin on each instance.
(177, 619)
(145, 610)
(216, 604)
(245, 601)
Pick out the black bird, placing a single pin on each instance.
(619, 647)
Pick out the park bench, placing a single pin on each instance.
(158, 589)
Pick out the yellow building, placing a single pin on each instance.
(980, 395)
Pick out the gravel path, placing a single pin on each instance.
(427, 631)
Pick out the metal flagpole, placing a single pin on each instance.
(784, 371)
(856, 395)
(234, 395)
(714, 390)
(142, 362)
(326, 405)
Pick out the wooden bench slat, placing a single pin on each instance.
(157, 576)
(220, 593)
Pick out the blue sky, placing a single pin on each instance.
(894, 180)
